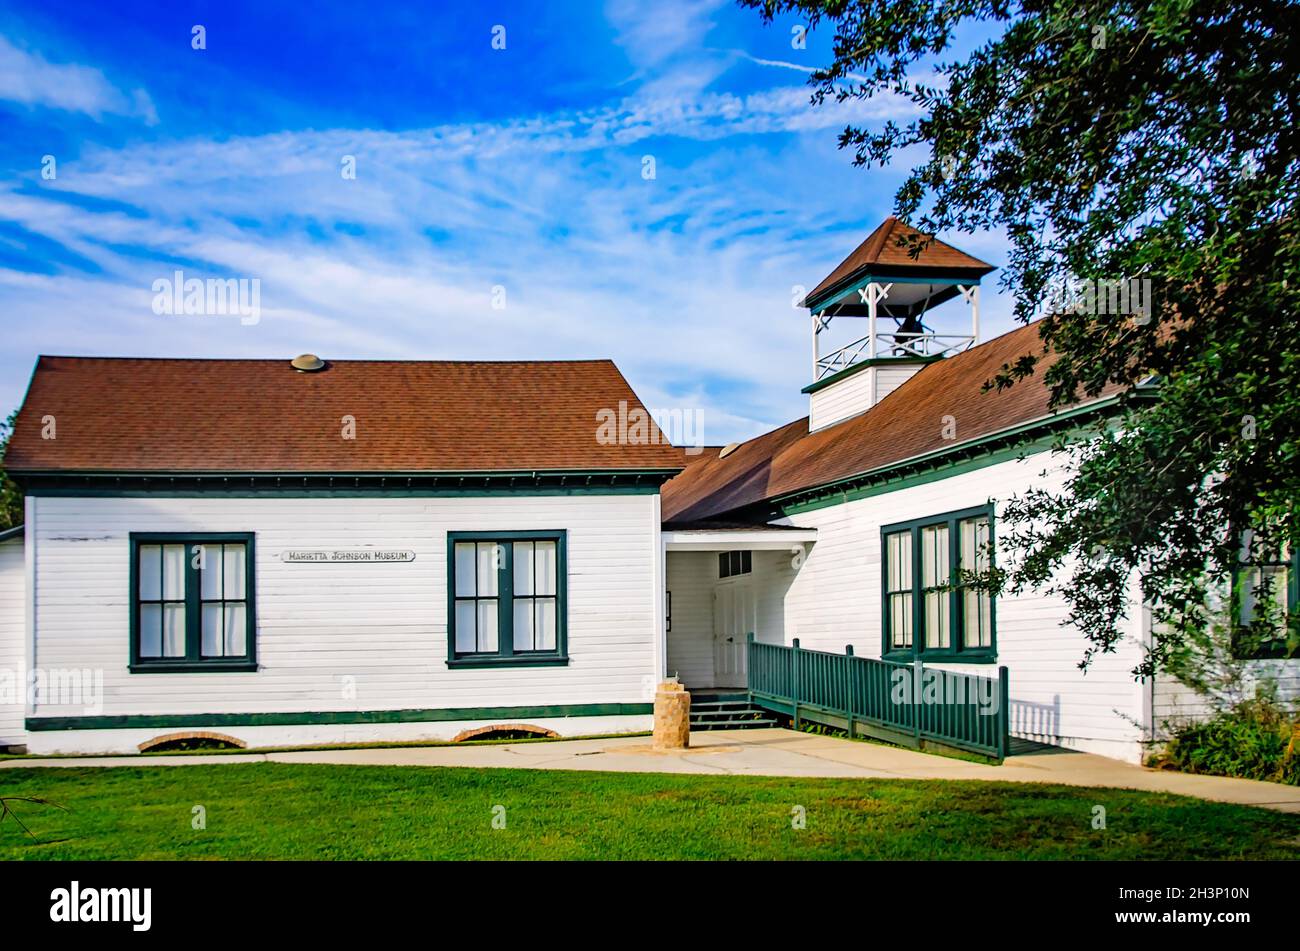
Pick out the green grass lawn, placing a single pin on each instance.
(281, 811)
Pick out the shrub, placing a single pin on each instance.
(1255, 739)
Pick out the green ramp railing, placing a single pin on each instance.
(910, 704)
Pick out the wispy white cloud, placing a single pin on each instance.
(28, 78)
(665, 44)
(668, 276)
(797, 67)
(686, 280)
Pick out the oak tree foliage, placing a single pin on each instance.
(1123, 139)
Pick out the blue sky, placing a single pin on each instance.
(476, 168)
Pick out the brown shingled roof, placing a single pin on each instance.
(146, 415)
(882, 252)
(905, 424)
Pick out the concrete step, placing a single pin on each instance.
(730, 713)
(759, 724)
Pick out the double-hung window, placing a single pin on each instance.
(933, 605)
(1266, 595)
(506, 598)
(192, 603)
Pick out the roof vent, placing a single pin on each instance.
(728, 449)
(307, 363)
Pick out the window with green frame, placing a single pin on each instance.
(1266, 606)
(192, 602)
(506, 599)
(929, 610)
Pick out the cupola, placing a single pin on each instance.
(895, 288)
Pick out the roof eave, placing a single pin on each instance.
(69, 481)
(824, 297)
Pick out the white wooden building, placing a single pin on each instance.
(355, 551)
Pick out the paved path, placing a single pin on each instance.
(754, 753)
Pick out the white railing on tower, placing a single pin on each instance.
(893, 345)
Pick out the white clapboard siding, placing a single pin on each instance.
(835, 600)
(381, 625)
(691, 576)
(890, 378)
(844, 398)
(856, 393)
(1175, 703)
(773, 575)
(13, 641)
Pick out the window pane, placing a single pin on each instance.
(487, 626)
(938, 621)
(173, 573)
(1248, 584)
(210, 571)
(547, 566)
(900, 619)
(978, 609)
(465, 569)
(546, 624)
(523, 568)
(724, 566)
(150, 630)
(465, 639)
(151, 572)
(490, 557)
(974, 544)
(899, 548)
(977, 605)
(735, 562)
(212, 632)
(235, 571)
(1267, 584)
(523, 622)
(934, 556)
(236, 630)
(746, 562)
(173, 634)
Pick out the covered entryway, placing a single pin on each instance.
(722, 585)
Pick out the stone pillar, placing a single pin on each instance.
(672, 717)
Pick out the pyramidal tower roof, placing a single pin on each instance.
(887, 253)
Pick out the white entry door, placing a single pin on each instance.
(734, 617)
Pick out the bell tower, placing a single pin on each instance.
(896, 293)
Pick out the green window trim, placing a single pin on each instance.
(505, 654)
(1284, 644)
(915, 589)
(193, 660)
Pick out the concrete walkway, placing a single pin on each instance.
(753, 753)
